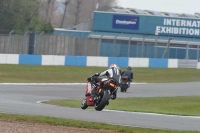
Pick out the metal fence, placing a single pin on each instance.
(110, 46)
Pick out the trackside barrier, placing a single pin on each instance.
(187, 63)
(53, 60)
(161, 63)
(198, 65)
(56, 60)
(9, 59)
(172, 63)
(97, 61)
(139, 62)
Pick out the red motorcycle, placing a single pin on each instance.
(106, 87)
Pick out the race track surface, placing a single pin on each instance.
(23, 99)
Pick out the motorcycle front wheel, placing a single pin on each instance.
(84, 103)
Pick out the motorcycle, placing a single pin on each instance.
(106, 87)
(124, 85)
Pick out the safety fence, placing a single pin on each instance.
(106, 46)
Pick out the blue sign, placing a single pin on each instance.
(126, 22)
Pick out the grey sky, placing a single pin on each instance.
(175, 6)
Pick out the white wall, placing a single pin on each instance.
(138, 62)
(172, 63)
(97, 61)
(9, 59)
(3, 58)
(198, 65)
(53, 60)
(12, 59)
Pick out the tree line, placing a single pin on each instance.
(45, 15)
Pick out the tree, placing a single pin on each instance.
(74, 12)
(5, 15)
(106, 4)
(79, 2)
(22, 15)
(64, 13)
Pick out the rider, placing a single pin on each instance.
(113, 72)
(128, 72)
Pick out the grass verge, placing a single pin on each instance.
(68, 74)
(187, 106)
(84, 124)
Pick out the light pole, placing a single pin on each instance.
(9, 40)
(168, 44)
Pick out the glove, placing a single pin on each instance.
(89, 79)
(96, 75)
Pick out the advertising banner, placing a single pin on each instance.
(179, 27)
(147, 24)
(125, 22)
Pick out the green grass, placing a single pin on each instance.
(187, 106)
(66, 74)
(84, 124)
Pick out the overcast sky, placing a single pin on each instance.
(175, 6)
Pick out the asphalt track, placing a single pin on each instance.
(24, 99)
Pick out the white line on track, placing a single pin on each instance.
(155, 114)
(51, 83)
(143, 113)
(42, 83)
(39, 102)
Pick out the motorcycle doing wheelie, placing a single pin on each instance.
(124, 85)
(106, 87)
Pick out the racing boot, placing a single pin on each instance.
(129, 84)
(113, 95)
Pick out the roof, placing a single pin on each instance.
(154, 13)
(148, 38)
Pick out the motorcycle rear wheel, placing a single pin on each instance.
(103, 101)
(122, 88)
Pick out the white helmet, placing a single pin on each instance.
(114, 66)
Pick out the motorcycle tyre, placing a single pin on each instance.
(122, 88)
(125, 90)
(84, 103)
(103, 101)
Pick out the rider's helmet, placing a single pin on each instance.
(129, 68)
(114, 66)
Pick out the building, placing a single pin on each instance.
(125, 32)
